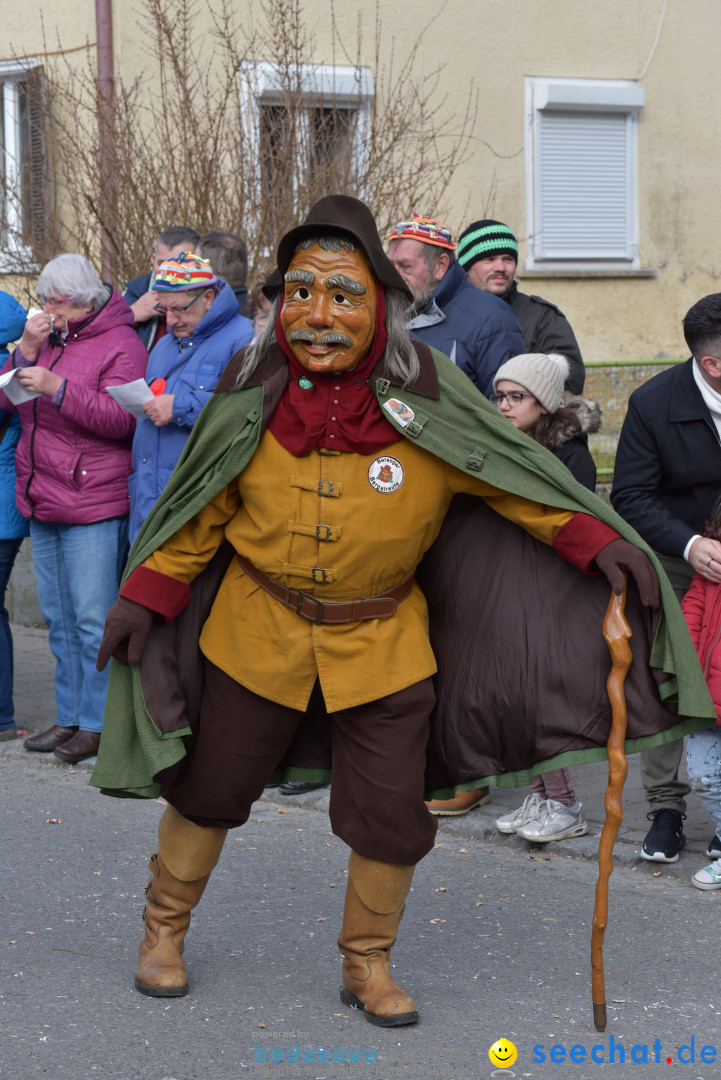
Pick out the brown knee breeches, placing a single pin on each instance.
(376, 798)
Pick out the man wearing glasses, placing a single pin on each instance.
(149, 326)
(204, 330)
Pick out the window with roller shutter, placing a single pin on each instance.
(581, 171)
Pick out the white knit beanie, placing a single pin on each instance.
(542, 374)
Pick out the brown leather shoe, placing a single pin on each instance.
(48, 740)
(461, 804)
(84, 744)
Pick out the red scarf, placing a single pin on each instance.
(339, 411)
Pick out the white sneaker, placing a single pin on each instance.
(554, 821)
(514, 819)
(709, 878)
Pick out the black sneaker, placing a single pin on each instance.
(713, 851)
(297, 787)
(665, 838)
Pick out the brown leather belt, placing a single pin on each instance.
(335, 612)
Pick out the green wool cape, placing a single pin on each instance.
(451, 420)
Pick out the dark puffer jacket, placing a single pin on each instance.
(475, 329)
(572, 448)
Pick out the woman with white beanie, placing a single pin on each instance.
(528, 390)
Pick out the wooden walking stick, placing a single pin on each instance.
(617, 632)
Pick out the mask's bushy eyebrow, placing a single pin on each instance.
(340, 281)
(306, 276)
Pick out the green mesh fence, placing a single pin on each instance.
(611, 386)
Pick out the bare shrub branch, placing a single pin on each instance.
(193, 145)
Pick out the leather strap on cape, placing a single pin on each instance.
(333, 612)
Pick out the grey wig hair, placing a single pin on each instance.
(401, 361)
(327, 243)
(73, 277)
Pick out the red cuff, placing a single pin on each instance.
(580, 540)
(162, 594)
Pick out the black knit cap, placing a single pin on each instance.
(485, 238)
(334, 214)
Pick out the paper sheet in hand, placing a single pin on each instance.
(132, 396)
(14, 390)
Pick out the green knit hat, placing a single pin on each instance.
(484, 238)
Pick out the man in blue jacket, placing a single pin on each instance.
(149, 326)
(13, 527)
(478, 331)
(204, 330)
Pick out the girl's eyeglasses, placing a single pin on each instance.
(513, 397)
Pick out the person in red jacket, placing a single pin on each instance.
(702, 609)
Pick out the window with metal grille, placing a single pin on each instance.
(309, 126)
(581, 170)
(22, 160)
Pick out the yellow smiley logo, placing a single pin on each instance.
(503, 1053)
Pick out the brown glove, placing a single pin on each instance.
(126, 629)
(621, 555)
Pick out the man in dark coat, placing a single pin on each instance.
(326, 460)
(666, 481)
(488, 252)
(228, 255)
(475, 331)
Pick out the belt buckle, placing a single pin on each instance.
(318, 617)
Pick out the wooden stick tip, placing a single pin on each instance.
(599, 1015)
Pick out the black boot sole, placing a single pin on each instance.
(161, 991)
(380, 1021)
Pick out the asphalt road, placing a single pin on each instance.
(495, 943)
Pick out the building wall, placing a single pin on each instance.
(493, 47)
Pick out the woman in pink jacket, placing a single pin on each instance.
(72, 462)
(702, 608)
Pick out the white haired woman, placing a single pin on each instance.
(73, 461)
(528, 390)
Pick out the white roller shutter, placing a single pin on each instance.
(585, 186)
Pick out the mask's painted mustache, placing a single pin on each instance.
(332, 338)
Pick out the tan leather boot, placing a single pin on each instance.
(179, 874)
(374, 901)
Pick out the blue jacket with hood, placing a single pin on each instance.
(477, 330)
(191, 368)
(12, 524)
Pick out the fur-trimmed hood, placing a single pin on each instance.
(588, 413)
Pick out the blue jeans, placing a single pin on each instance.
(8, 551)
(77, 569)
(703, 761)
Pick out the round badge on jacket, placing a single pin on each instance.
(385, 474)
